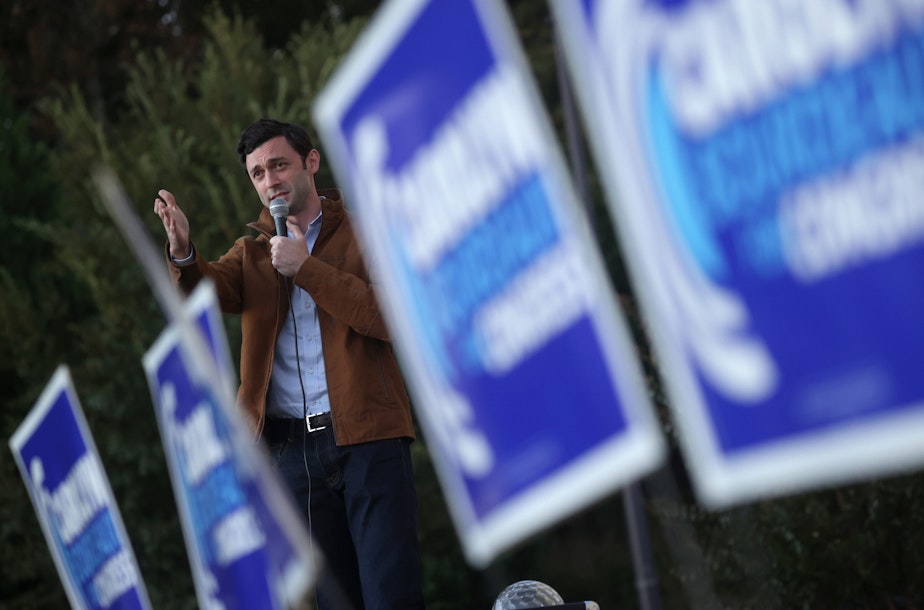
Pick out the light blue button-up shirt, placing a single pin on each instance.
(298, 350)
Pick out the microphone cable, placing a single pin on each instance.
(301, 383)
(338, 590)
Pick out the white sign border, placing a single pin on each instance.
(640, 450)
(203, 299)
(60, 383)
(810, 461)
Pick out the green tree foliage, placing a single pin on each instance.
(27, 193)
(34, 292)
(47, 44)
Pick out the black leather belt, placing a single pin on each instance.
(277, 429)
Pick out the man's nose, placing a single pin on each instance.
(271, 178)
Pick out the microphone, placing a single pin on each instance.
(279, 208)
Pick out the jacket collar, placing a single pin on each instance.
(331, 207)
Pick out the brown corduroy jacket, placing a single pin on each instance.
(366, 390)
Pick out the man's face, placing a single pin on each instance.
(276, 170)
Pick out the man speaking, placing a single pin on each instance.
(319, 380)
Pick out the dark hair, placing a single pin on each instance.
(266, 129)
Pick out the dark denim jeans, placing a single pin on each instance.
(361, 507)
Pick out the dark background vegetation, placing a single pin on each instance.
(159, 90)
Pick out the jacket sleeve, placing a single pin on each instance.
(347, 297)
(225, 273)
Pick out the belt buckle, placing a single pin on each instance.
(314, 428)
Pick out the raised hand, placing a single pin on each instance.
(175, 224)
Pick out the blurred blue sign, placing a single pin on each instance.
(525, 381)
(247, 547)
(74, 503)
(765, 164)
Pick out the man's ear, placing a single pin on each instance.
(313, 160)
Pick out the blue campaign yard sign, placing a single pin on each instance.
(524, 379)
(247, 547)
(765, 163)
(62, 471)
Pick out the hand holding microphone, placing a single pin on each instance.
(287, 255)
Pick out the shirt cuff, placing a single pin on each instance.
(188, 259)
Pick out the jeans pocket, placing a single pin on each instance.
(277, 453)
